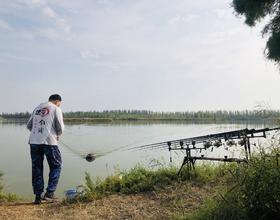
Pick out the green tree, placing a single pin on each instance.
(254, 12)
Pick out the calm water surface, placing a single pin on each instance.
(15, 160)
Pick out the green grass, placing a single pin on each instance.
(250, 191)
(7, 197)
(245, 191)
(140, 180)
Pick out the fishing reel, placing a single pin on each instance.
(231, 143)
(217, 143)
(90, 157)
(207, 144)
(242, 142)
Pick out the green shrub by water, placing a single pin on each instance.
(1, 186)
(252, 191)
(140, 179)
(245, 191)
(6, 197)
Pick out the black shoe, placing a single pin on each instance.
(50, 197)
(38, 200)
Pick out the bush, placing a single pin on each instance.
(7, 197)
(1, 186)
(251, 192)
(140, 179)
(260, 189)
(136, 180)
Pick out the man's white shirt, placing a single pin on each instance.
(45, 124)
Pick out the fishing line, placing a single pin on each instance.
(71, 149)
(89, 157)
(93, 155)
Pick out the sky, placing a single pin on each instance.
(157, 55)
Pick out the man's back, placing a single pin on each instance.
(45, 124)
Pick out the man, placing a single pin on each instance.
(46, 125)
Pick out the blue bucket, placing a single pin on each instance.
(71, 193)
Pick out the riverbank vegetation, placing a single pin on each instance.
(244, 191)
(222, 191)
(142, 180)
(199, 116)
(6, 197)
(250, 191)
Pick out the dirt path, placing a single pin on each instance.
(177, 199)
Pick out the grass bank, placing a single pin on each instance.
(225, 191)
(142, 180)
(246, 191)
(135, 194)
(250, 191)
(7, 197)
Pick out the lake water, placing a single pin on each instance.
(15, 160)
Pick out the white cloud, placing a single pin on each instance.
(90, 54)
(32, 3)
(50, 33)
(60, 22)
(25, 35)
(57, 20)
(183, 19)
(63, 24)
(12, 58)
(4, 25)
(3, 60)
(49, 12)
(190, 47)
(224, 13)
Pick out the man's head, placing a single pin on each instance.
(55, 99)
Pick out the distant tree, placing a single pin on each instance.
(254, 12)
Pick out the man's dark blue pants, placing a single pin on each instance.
(54, 160)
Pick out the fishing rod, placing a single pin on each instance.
(212, 140)
(182, 143)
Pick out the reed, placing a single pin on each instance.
(6, 197)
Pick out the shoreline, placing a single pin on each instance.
(149, 120)
(207, 192)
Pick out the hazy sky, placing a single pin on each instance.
(132, 54)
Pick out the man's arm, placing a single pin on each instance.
(30, 123)
(58, 122)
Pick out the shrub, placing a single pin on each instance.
(7, 197)
(251, 192)
(140, 179)
(1, 186)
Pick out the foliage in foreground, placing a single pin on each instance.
(252, 192)
(6, 197)
(255, 12)
(140, 180)
(245, 191)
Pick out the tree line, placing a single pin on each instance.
(249, 115)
